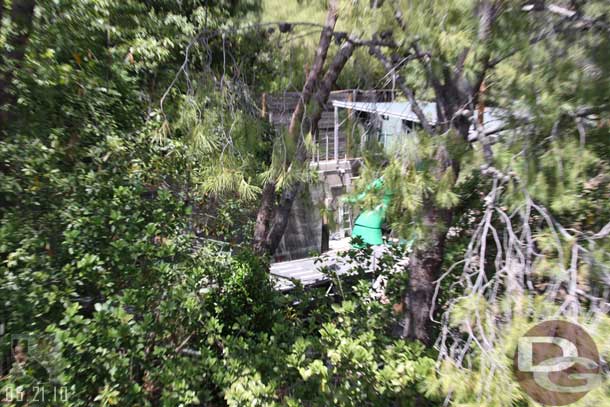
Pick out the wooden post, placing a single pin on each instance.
(481, 106)
(348, 135)
(336, 134)
(326, 137)
(264, 105)
(350, 99)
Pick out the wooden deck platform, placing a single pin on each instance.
(309, 273)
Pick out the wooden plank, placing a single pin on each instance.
(336, 134)
(307, 271)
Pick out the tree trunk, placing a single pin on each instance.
(22, 14)
(263, 218)
(318, 63)
(281, 216)
(335, 68)
(424, 267)
(271, 224)
(451, 95)
(290, 193)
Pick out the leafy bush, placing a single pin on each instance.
(180, 339)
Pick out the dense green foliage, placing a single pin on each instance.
(100, 282)
(136, 144)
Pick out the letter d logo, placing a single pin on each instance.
(557, 363)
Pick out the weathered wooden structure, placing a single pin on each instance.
(320, 205)
(316, 272)
(352, 119)
(333, 142)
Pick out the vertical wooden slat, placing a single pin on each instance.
(350, 115)
(350, 99)
(336, 135)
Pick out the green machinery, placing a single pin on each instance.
(368, 224)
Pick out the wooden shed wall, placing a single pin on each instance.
(278, 109)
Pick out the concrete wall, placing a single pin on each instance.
(303, 236)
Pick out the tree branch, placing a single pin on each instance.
(270, 227)
(589, 22)
(488, 12)
(404, 89)
(567, 14)
(604, 232)
(318, 64)
(289, 194)
(330, 78)
(424, 58)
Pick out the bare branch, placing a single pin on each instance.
(604, 232)
(571, 14)
(404, 88)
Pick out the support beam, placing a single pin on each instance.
(336, 134)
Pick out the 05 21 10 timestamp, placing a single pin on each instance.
(36, 393)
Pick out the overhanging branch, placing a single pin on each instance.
(403, 87)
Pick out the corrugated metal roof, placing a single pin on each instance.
(493, 118)
(400, 110)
